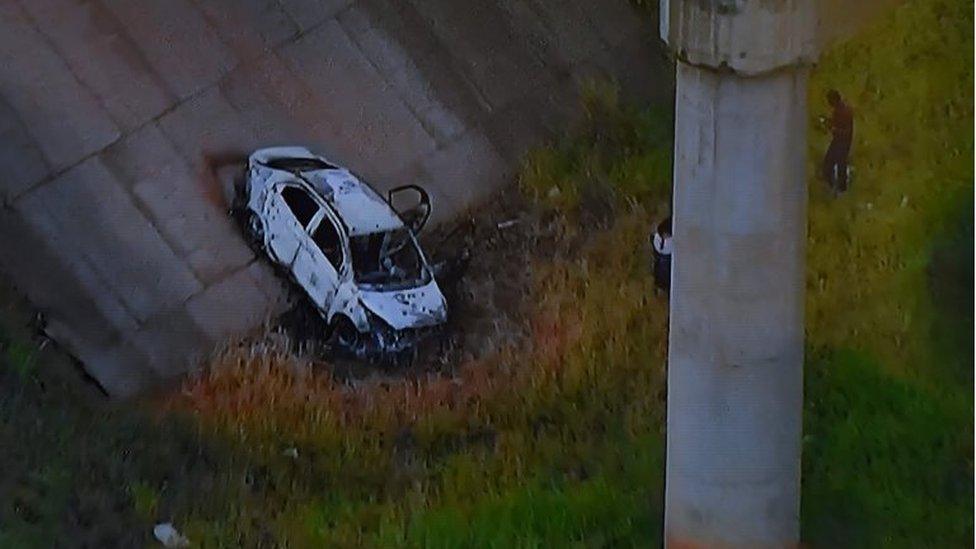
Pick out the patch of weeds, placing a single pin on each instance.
(19, 357)
(869, 251)
(886, 463)
(566, 409)
(888, 460)
(145, 500)
(950, 285)
(31, 501)
(619, 506)
(619, 155)
(78, 471)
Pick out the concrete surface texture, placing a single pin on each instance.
(748, 38)
(735, 362)
(111, 111)
(780, 43)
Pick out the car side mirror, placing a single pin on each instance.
(412, 204)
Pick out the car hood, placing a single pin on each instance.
(411, 308)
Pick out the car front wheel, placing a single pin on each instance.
(345, 337)
(255, 232)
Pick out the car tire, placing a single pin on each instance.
(254, 228)
(344, 336)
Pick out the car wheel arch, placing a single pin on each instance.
(343, 330)
(355, 315)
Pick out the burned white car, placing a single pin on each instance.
(355, 257)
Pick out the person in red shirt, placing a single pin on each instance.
(835, 165)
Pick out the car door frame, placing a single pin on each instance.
(415, 224)
(290, 229)
(313, 258)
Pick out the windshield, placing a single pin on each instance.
(388, 259)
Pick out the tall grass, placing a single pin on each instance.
(888, 421)
(910, 81)
(578, 413)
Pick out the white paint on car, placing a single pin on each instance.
(352, 268)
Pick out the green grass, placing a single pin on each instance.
(592, 513)
(618, 151)
(889, 402)
(79, 473)
(886, 461)
(539, 512)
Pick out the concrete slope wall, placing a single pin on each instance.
(112, 111)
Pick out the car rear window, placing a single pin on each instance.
(299, 164)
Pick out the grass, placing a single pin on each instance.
(886, 462)
(554, 428)
(79, 473)
(888, 419)
(561, 443)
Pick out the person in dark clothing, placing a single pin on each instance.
(661, 242)
(835, 164)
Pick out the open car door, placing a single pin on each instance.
(412, 204)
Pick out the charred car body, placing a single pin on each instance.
(354, 256)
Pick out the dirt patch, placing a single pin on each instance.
(488, 299)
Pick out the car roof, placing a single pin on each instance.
(361, 209)
(359, 206)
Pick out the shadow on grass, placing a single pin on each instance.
(885, 462)
(950, 278)
(76, 471)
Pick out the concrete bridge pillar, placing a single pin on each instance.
(735, 387)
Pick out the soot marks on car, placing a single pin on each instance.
(348, 251)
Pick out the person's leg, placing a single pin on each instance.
(841, 177)
(658, 271)
(834, 169)
(827, 167)
(666, 273)
(843, 154)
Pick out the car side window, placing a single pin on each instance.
(301, 204)
(326, 237)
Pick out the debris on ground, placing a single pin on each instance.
(169, 536)
(486, 299)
